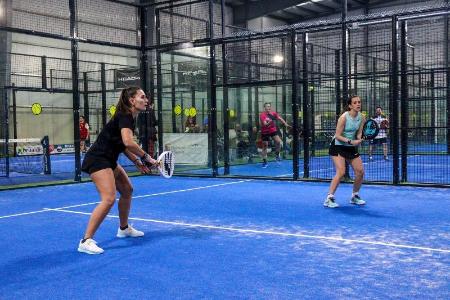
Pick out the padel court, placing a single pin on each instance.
(225, 238)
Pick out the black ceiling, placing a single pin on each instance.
(293, 11)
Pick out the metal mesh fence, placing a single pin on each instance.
(258, 68)
(107, 21)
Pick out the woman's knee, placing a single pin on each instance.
(126, 191)
(340, 172)
(109, 199)
(359, 172)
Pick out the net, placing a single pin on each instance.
(24, 156)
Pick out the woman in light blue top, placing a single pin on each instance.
(344, 147)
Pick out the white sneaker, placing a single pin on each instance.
(129, 231)
(330, 203)
(89, 247)
(357, 200)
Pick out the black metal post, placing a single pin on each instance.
(306, 107)
(103, 83)
(404, 102)
(283, 94)
(75, 86)
(14, 100)
(374, 84)
(6, 112)
(172, 93)
(447, 70)
(225, 107)
(256, 102)
(249, 89)
(355, 74)
(144, 72)
(295, 105)
(14, 108)
(431, 87)
(337, 75)
(159, 85)
(344, 53)
(345, 65)
(311, 89)
(44, 71)
(86, 97)
(193, 96)
(213, 83)
(394, 102)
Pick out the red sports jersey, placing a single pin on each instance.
(269, 118)
(83, 130)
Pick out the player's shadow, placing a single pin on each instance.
(352, 210)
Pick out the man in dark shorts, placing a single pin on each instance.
(381, 138)
(269, 130)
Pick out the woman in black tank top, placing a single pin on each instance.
(101, 164)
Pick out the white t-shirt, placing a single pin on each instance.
(383, 132)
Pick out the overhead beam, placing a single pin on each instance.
(261, 8)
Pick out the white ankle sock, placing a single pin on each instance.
(354, 194)
(330, 196)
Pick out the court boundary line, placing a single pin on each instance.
(266, 232)
(134, 197)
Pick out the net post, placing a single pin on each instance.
(46, 149)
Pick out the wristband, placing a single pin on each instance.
(143, 157)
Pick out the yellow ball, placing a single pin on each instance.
(192, 112)
(177, 110)
(112, 110)
(36, 109)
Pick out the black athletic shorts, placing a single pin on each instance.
(93, 163)
(378, 141)
(347, 152)
(266, 136)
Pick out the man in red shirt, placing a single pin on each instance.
(269, 130)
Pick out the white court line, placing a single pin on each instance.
(23, 214)
(267, 232)
(135, 197)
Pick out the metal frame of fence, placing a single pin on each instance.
(312, 71)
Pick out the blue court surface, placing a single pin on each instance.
(211, 238)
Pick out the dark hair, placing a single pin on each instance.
(349, 102)
(124, 105)
(378, 107)
(267, 103)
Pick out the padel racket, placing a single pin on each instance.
(370, 129)
(166, 164)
